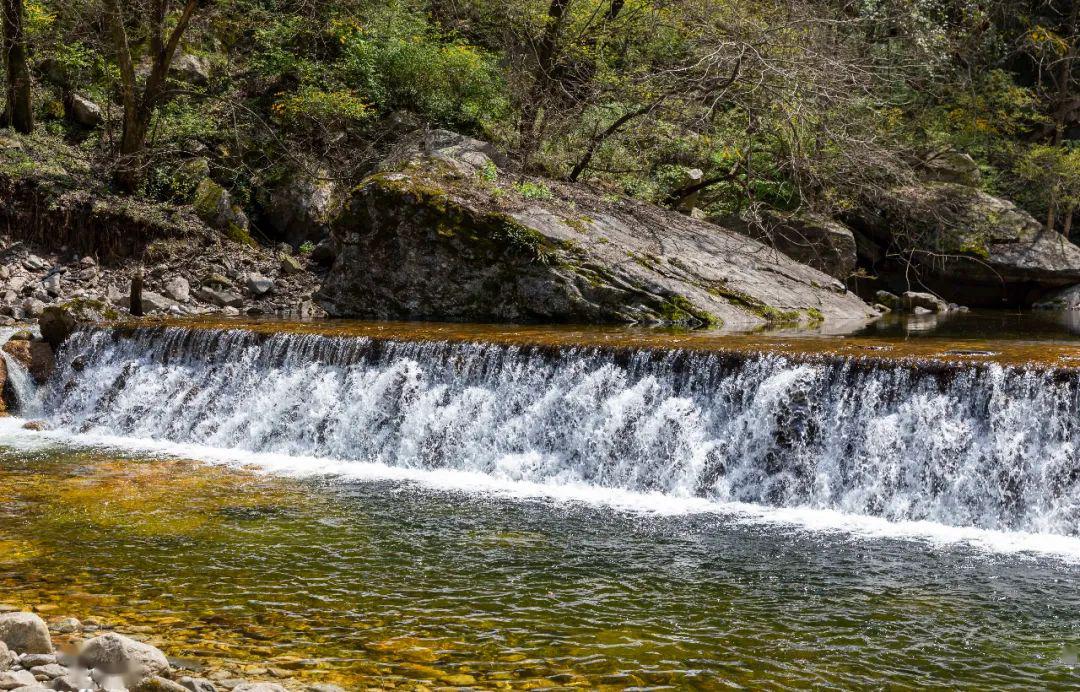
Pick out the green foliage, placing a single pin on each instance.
(328, 109)
(533, 190)
(307, 248)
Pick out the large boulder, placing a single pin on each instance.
(968, 246)
(823, 243)
(433, 235)
(214, 205)
(56, 325)
(115, 654)
(301, 209)
(36, 356)
(25, 633)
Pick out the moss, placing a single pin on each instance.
(239, 235)
(754, 306)
(579, 224)
(815, 316)
(89, 309)
(680, 310)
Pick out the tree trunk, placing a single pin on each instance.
(135, 305)
(545, 64)
(139, 108)
(19, 113)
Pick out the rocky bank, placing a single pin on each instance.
(87, 657)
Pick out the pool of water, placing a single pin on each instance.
(395, 583)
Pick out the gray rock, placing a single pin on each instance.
(324, 253)
(33, 660)
(51, 284)
(302, 208)
(951, 166)
(221, 298)
(75, 681)
(32, 307)
(927, 301)
(1064, 299)
(156, 683)
(820, 242)
(289, 264)
(65, 625)
(258, 284)
(197, 684)
(974, 248)
(324, 687)
(192, 69)
(7, 657)
(419, 243)
(32, 688)
(214, 205)
(34, 263)
(50, 671)
(11, 679)
(259, 687)
(56, 325)
(116, 654)
(25, 633)
(155, 302)
(178, 289)
(465, 155)
(85, 112)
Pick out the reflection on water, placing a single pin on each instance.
(387, 584)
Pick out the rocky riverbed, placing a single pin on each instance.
(68, 655)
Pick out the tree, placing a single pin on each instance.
(19, 113)
(140, 105)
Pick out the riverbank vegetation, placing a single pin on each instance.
(742, 106)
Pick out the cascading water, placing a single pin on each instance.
(27, 394)
(982, 446)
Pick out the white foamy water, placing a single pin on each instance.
(980, 455)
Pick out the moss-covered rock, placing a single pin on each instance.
(969, 246)
(428, 237)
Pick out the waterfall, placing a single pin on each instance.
(27, 395)
(974, 446)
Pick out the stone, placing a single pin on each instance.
(891, 301)
(50, 670)
(38, 358)
(324, 687)
(466, 156)
(192, 69)
(56, 325)
(116, 654)
(74, 681)
(25, 633)
(214, 205)
(920, 310)
(155, 302)
(324, 254)
(36, 687)
(7, 658)
(33, 660)
(220, 298)
(301, 209)
(259, 687)
(11, 679)
(189, 175)
(85, 112)
(419, 243)
(156, 683)
(258, 284)
(33, 307)
(968, 247)
(51, 284)
(1063, 299)
(950, 166)
(815, 240)
(178, 289)
(197, 684)
(927, 301)
(289, 264)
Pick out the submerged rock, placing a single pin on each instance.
(427, 238)
(26, 633)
